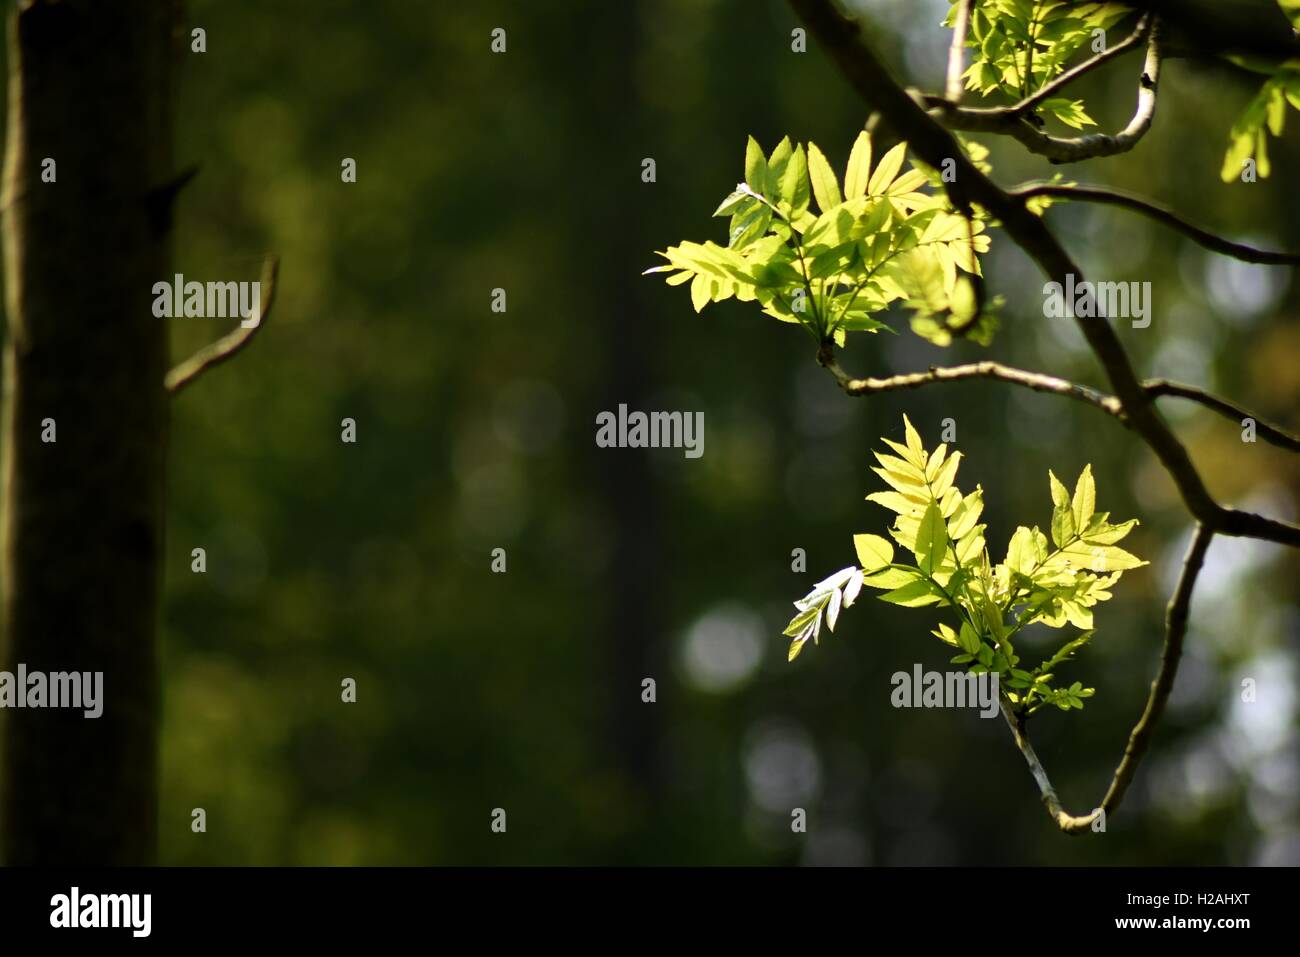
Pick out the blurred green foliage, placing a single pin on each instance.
(523, 690)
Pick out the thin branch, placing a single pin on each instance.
(975, 370)
(1175, 632)
(1161, 214)
(957, 51)
(224, 348)
(1040, 382)
(1269, 433)
(1140, 736)
(1007, 121)
(1069, 823)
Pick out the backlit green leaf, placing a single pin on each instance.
(858, 173)
(873, 551)
(825, 186)
(931, 540)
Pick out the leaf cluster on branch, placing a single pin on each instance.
(888, 236)
(1053, 584)
(867, 239)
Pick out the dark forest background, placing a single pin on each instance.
(476, 431)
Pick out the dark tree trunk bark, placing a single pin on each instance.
(90, 88)
(634, 626)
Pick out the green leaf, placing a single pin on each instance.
(1106, 534)
(803, 620)
(833, 261)
(1085, 498)
(968, 640)
(895, 501)
(776, 164)
(1062, 516)
(840, 224)
(858, 173)
(913, 595)
(992, 616)
(1101, 558)
(825, 186)
(931, 540)
(1060, 496)
(946, 475)
(874, 552)
(701, 291)
(965, 516)
(946, 635)
(794, 182)
(733, 203)
(886, 170)
(904, 477)
(755, 166)
(1069, 112)
(970, 547)
(907, 184)
(749, 225)
(915, 447)
(1022, 556)
(895, 577)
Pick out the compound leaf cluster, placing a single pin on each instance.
(832, 254)
(1022, 45)
(939, 556)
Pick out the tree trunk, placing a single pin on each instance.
(634, 625)
(89, 88)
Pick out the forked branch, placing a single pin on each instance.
(1140, 737)
(1015, 120)
(1133, 400)
(997, 114)
(1040, 382)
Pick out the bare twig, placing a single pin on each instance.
(1039, 382)
(1269, 433)
(224, 348)
(1069, 823)
(975, 370)
(1161, 214)
(957, 51)
(1175, 632)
